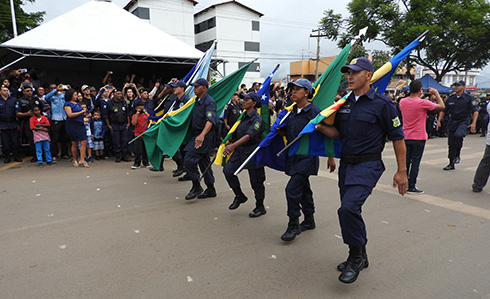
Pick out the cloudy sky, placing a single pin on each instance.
(282, 20)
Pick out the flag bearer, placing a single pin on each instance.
(246, 138)
(202, 143)
(362, 124)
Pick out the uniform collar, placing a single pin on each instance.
(370, 94)
(305, 108)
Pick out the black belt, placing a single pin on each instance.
(457, 117)
(361, 158)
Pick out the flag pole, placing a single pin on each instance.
(207, 168)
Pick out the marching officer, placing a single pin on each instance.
(459, 106)
(246, 138)
(202, 143)
(362, 124)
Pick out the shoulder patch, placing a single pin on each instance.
(257, 125)
(396, 122)
(209, 114)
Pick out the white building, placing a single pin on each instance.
(468, 76)
(236, 27)
(175, 17)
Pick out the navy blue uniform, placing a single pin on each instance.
(8, 125)
(299, 167)
(459, 110)
(252, 125)
(482, 112)
(117, 114)
(363, 126)
(204, 111)
(231, 113)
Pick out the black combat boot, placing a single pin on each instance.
(293, 229)
(209, 192)
(450, 166)
(353, 266)
(238, 200)
(195, 191)
(258, 211)
(308, 223)
(125, 158)
(341, 266)
(118, 157)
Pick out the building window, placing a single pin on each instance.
(142, 13)
(255, 26)
(205, 25)
(252, 46)
(205, 46)
(254, 67)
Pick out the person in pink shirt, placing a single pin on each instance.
(39, 125)
(414, 113)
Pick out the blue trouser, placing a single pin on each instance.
(299, 196)
(415, 150)
(192, 160)
(256, 176)
(356, 182)
(119, 138)
(40, 146)
(10, 141)
(457, 131)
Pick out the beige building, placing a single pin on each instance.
(306, 68)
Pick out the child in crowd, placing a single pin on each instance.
(98, 131)
(139, 121)
(39, 125)
(87, 120)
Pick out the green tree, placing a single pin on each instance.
(25, 21)
(458, 38)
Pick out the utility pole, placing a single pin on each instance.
(318, 36)
(14, 24)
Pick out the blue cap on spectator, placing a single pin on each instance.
(303, 83)
(357, 64)
(168, 86)
(201, 82)
(460, 83)
(179, 83)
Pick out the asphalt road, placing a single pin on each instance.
(112, 232)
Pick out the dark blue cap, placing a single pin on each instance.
(357, 64)
(201, 82)
(179, 83)
(305, 84)
(460, 83)
(167, 85)
(252, 95)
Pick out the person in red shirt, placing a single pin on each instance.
(39, 125)
(414, 113)
(140, 123)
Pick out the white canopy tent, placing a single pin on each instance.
(82, 44)
(100, 30)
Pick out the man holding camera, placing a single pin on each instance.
(414, 112)
(459, 106)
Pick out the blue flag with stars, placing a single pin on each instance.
(264, 93)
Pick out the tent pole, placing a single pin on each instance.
(13, 62)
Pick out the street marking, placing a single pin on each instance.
(15, 163)
(425, 198)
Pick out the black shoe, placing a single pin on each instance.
(177, 172)
(97, 158)
(184, 178)
(33, 160)
(118, 158)
(353, 266)
(415, 190)
(476, 189)
(257, 212)
(125, 158)
(237, 201)
(194, 192)
(154, 169)
(341, 266)
(209, 192)
(450, 166)
(17, 158)
(8, 159)
(292, 231)
(308, 223)
(457, 160)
